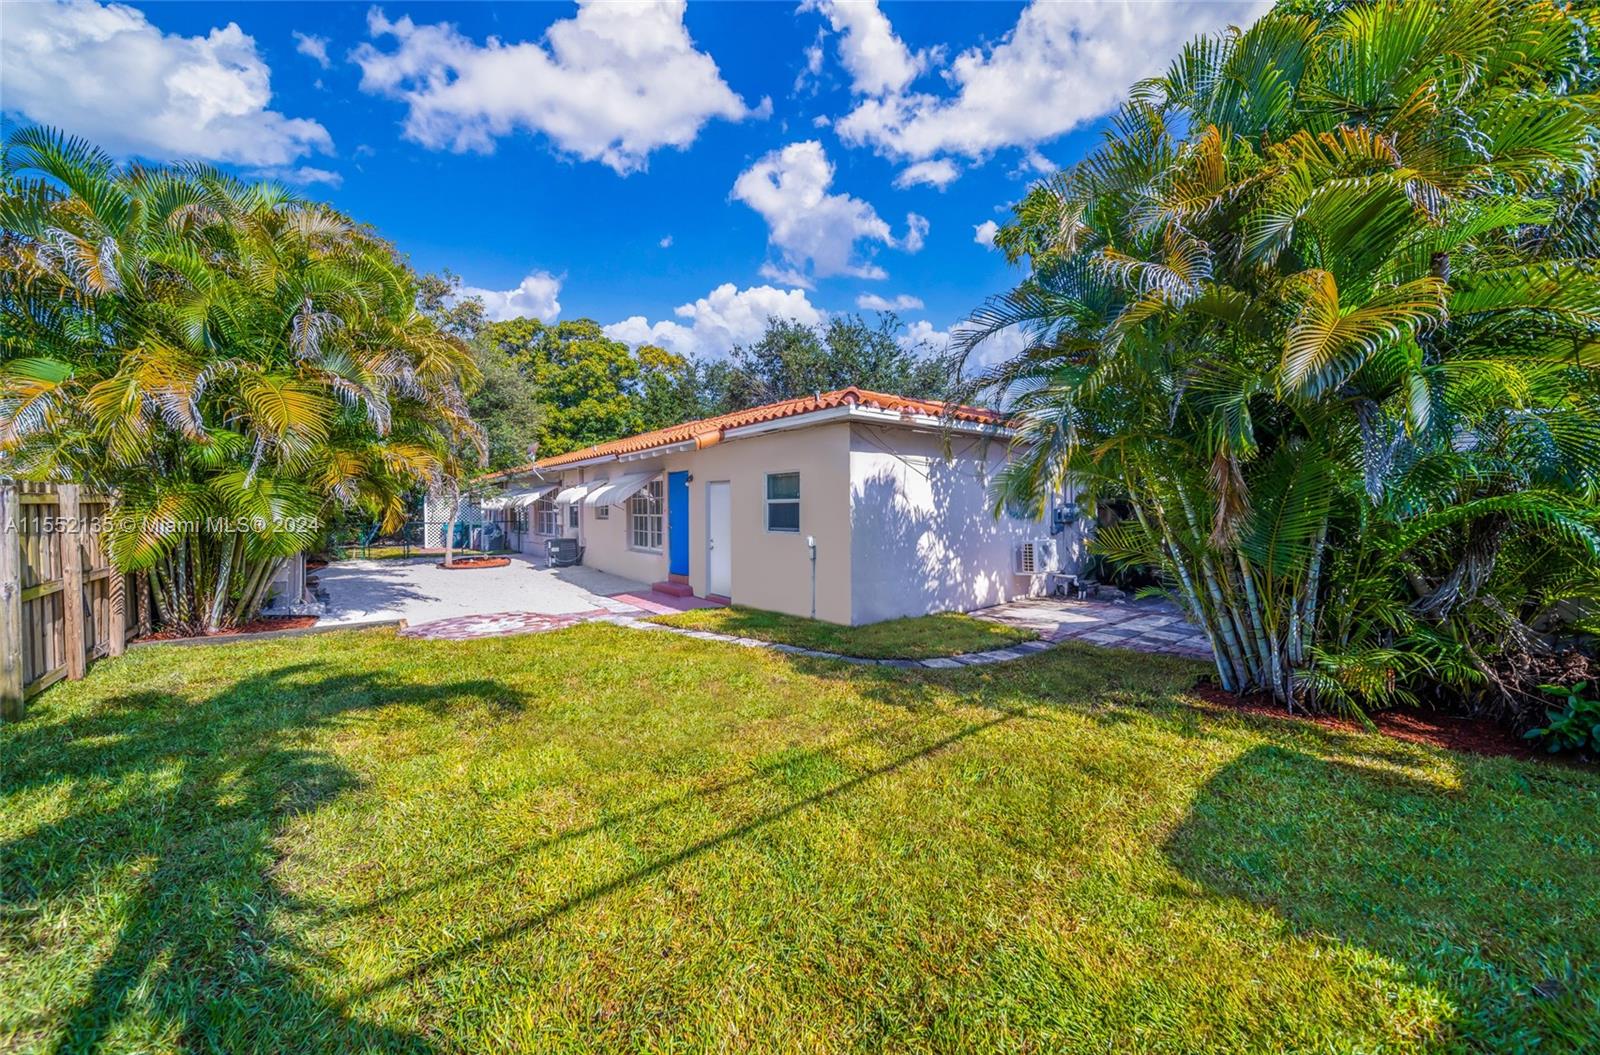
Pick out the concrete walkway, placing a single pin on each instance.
(419, 591)
(1144, 626)
(528, 597)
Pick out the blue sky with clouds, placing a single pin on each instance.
(676, 172)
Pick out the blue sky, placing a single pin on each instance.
(674, 172)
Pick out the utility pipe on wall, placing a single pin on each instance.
(811, 543)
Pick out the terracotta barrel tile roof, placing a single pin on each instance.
(691, 430)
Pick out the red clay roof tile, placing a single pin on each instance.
(756, 415)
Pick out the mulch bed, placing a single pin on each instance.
(1478, 736)
(255, 626)
(467, 563)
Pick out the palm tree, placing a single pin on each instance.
(1326, 306)
(232, 362)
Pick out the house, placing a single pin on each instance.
(849, 506)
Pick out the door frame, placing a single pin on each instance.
(711, 488)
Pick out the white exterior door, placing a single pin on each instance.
(719, 540)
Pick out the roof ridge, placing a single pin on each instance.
(686, 431)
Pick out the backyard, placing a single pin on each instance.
(596, 838)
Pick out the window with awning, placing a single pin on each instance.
(521, 498)
(616, 492)
(573, 494)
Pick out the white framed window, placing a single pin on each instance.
(572, 516)
(644, 518)
(602, 512)
(547, 518)
(783, 502)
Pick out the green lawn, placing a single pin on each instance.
(597, 839)
(923, 637)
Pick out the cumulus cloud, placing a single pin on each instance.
(713, 324)
(984, 233)
(923, 336)
(1062, 66)
(817, 234)
(313, 47)
(936, 172)
(878, 61)
(611, 84)
(106, 73)
(532, 298)
(304, 175)
(873, 302)
(666, 242)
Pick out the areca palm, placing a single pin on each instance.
(221, 356)
(1325, 306)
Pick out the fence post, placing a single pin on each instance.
(11, 699)
(71, 580)
(117, 586)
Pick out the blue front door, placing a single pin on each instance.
(678, 523)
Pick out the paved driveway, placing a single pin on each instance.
(419, 591)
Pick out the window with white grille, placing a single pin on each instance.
(547, 518)
(644, 518)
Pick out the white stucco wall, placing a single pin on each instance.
(924, 539)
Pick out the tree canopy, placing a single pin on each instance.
(1325, 306)
(233, 363)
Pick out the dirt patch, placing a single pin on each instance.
(313, 563)
(468, 563)
(1478, 736)
(255, 626)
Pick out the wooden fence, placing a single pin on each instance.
(61, 602)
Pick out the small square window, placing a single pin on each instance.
(602, 512)
(783, 502)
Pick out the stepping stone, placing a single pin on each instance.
(940, 663)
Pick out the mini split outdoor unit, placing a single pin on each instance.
(1035, 557)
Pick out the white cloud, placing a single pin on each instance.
(984, 233)
(716, 322)
(816, 233)
(1062, 66)
(611, 84)
(923, 336)
(665, 243)
(873, 302)
(533, 298)
(304, 175)
(105, 73)
(936, 172)
(878, 62)
(312, 46)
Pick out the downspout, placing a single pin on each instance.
(811, 544)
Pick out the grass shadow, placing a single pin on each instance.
(1479, 893)
(181, 857)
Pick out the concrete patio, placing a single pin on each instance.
(526, 595)
(1144, 626)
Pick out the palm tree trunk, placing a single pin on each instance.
(219, 590)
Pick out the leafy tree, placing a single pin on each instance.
(233, 364)
(503, 400)
(439, 297)
(792, 360)
(1326, 307)
(584, 380)
(505, 403)
(670, 388)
